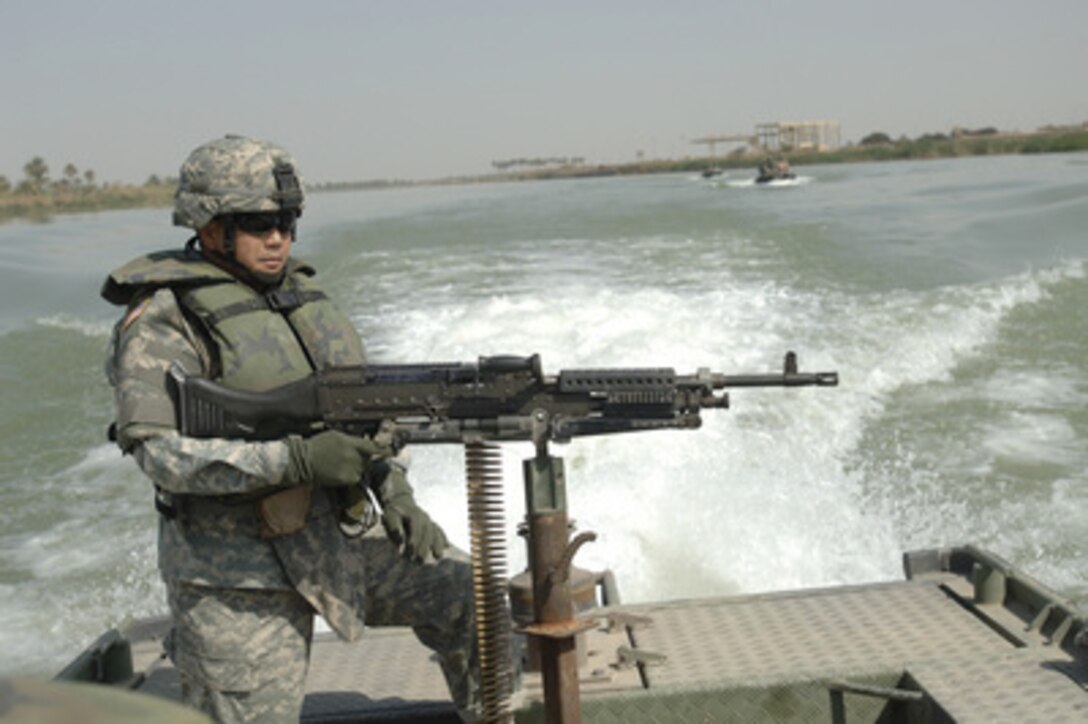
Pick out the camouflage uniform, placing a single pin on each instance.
(243, 603)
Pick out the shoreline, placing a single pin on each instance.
(41, 207)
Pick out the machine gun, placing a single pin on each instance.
(497, 399)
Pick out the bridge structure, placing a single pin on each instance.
(799, 135)
(713, 141)
(782, 136)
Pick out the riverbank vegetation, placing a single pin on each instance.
(874, 147)
(38, 196)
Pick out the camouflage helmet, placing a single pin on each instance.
(235, 175)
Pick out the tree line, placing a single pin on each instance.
(508, 163)
(38, 195)
(37, 181)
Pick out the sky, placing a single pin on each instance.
(423, 89)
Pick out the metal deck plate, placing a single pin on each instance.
(750, 658)
(805, 634)
(382, 672)
(1024, 686)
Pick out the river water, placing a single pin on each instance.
(949, 295)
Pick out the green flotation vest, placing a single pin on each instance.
(259, 339)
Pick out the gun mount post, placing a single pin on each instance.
(550, 554)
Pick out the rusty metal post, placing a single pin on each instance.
(549, 562)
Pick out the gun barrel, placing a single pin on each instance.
(788, 379)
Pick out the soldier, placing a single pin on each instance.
(256, 536)
(766, 170)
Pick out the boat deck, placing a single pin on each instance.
(931, 648)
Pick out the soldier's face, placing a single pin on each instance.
(263, 253)
(261, 245)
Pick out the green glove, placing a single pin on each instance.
(405, 522)
(329, 459)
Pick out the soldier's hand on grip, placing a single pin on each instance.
(328, 459)
(404, 521)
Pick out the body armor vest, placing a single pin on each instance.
(255, 339)
(258, 339)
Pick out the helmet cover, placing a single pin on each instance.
(235, 175)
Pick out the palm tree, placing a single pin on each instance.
(71, 175)
(37, 175)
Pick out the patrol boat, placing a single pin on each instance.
(965, 637)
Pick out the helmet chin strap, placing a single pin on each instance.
(229, 235)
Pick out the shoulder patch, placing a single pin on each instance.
(135, 312)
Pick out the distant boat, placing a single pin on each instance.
(771, 170)
(762, 179)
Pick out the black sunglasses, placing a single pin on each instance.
(262, 223)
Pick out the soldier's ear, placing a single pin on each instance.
(211, 236)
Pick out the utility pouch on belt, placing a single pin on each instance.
(285, 512)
